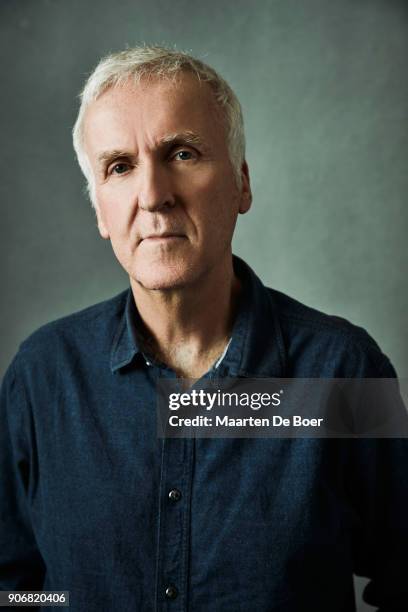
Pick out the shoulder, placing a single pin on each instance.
(61, 357)
(328, 342)
(91, 328)
(299, 316)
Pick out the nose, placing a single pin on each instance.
(154, 187)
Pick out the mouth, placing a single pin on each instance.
(164, 237)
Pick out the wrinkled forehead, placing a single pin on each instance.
(155, 106)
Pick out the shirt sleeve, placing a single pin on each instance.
(379, 482)
(21, 565)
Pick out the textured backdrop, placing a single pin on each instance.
(324, 90)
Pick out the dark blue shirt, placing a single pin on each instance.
(93, 502)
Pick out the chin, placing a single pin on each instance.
(162, 277)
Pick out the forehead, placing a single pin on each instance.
(151, 110)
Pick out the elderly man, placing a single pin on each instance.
(92, 501)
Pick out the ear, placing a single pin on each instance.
(103, 230)
(246, 194)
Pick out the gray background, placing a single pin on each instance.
(324, 90)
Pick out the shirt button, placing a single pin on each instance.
(174, 495)
(171, 592)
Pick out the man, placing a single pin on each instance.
(92, 501)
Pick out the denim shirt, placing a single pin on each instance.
(93, 502)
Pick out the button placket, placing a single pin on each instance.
(174, 534)
(171, 591)
(174, 495)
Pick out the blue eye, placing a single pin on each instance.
(120, 168)
(184, 155)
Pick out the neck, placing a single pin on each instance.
(187, 328)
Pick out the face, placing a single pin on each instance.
(166, 193)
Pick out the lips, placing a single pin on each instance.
(166, 235)
(163, 236)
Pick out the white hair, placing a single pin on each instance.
(154, 61)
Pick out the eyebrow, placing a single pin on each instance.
(178, 138)
(187, 137)
(107, 157)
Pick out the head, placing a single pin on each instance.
(159, 137)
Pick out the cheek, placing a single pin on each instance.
(217, 192)
(221, 207)
(115, 208)
(215, 222)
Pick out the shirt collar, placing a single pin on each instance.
(125, 346)
(256, 349)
